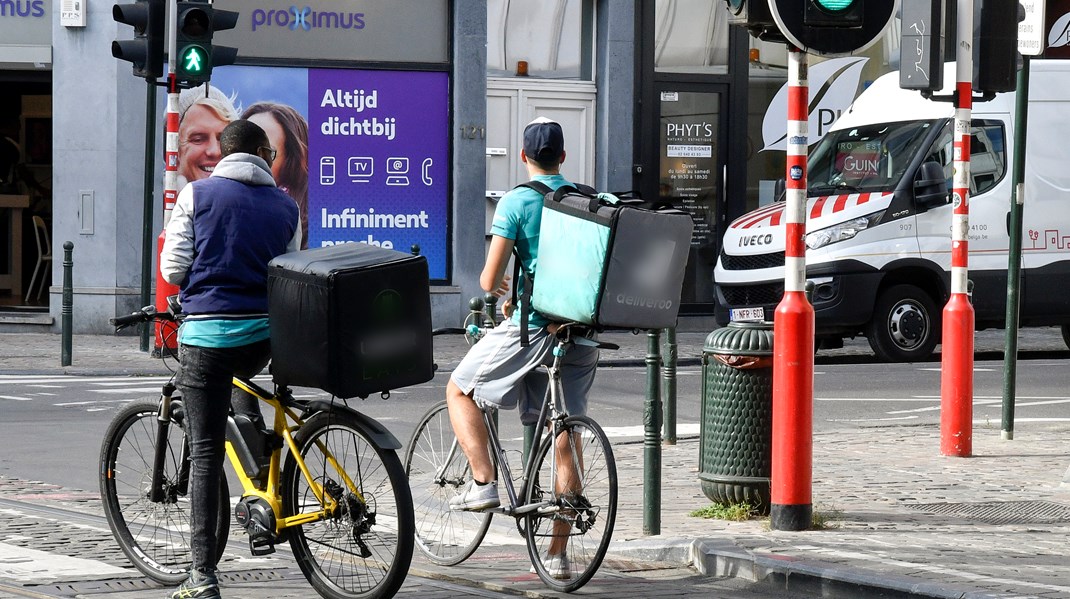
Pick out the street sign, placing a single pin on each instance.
(1031, 31)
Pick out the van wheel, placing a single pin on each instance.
(905, 325)
(1066, 334)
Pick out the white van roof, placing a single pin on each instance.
(884, 101)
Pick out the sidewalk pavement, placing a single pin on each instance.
(900, 520)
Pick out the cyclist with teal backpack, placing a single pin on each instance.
(498, 371)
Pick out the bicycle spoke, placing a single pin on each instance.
(582, 506)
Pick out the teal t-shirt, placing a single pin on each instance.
(211, 332)
(518, 216)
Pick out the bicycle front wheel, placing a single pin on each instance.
(154, 535)
(438, 470)
(364, 548)
(574, 478)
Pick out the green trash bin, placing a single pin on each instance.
(737, 414)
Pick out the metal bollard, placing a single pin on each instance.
(668, 386)
(68, 304)
(651, 440)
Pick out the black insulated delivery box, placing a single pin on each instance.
(351, 319)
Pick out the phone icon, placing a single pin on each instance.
(327, 170)
(425, 172)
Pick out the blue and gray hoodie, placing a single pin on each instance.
(223, 232)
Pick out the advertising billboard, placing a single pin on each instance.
(363, 152)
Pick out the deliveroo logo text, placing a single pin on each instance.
(306, 19)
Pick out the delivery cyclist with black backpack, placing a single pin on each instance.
(498, 371)
(223, 232)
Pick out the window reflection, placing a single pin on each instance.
(691, 36)
(548, 35)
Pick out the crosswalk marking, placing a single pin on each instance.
(30, 565)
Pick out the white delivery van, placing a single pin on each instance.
(879, 220)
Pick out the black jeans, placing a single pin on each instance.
(204, 381)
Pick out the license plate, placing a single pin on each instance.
(744, 314)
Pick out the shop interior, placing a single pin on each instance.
(25, 190)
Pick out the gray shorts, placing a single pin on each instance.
(499, 372)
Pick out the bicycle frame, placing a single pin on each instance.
(551, 412)
(286, 419)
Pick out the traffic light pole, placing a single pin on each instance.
(956, 379)
(793, 331)
(146, 241)
(170, 178)
(1014, 263)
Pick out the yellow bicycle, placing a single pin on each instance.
(324, 477)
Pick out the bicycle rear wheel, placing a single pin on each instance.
(446, 537)
(364, 549)
(577, 517)
(155, 536)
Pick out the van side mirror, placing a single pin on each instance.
(930, 186)
(780, 190)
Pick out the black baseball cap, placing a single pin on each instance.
(544, 140)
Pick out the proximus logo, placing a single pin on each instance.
(301, 18)
(306, 19)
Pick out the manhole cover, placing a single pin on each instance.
(1002, 512)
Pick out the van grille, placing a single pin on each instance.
(753, 295)
(776, 259)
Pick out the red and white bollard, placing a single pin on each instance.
(791, 505)
(167, 337)
(956, 357)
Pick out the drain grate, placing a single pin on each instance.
(124, 585)
(1002, 512)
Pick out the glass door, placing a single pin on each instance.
(691, 136)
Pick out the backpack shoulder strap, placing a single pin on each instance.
(537, 186)
(518, 271)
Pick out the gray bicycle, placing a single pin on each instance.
(565, 499)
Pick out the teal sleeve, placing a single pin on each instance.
(506, 217)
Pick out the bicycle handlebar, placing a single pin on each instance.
(146, 314)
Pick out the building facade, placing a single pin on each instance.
(412, 112)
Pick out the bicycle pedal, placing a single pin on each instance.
(261, 546)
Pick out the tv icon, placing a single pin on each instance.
(397, 171)
(361, 168)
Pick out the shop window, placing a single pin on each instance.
(691, 36)
(550, 39)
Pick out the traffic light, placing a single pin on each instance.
(755, 16)
(195, 26)
(995, 45)
(832, 27)
(921, 45)
(834, 13)
(146, 49)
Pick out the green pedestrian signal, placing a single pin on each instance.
(836, 13)
(193, 61)
(835, 5)
(196, 23)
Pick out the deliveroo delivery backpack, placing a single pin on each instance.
(607, 261)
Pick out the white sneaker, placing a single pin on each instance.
(476, 497)
(557, 566)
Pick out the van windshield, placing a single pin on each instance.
(865, 158)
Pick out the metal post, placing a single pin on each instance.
(68, 304)
(791, 474)
(651, 441)
(1014, 258)
(170, 175)
(956, 358)
(146, 237)
(668, 385)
